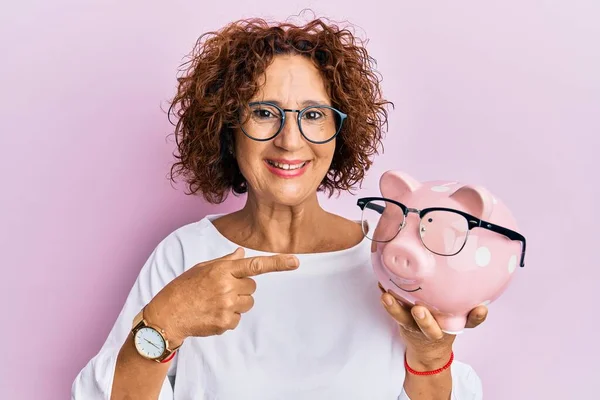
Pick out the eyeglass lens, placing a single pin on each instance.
(316, 123)
(442, 232)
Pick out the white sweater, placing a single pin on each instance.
(319, 332)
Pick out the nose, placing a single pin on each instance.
(406, 259)
(289, 138)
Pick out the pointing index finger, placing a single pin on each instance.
(263, 264)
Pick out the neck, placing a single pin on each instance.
(279, 228)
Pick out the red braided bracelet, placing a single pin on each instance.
(434, 372)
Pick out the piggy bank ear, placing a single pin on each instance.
(395, 184)
(476, 200)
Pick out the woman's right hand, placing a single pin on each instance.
(209, 298)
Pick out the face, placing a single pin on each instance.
(288, 169)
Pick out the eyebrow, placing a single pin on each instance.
(305, 103)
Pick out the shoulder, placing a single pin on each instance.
(178, 239)
(189, 244)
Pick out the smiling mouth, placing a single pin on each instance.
(287, 166)
(405, 290)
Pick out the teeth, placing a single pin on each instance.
(286, 166)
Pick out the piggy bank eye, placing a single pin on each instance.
(430, 220)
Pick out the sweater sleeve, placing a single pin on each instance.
(466, 385)
(95, 380)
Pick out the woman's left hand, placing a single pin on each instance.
(426, 345)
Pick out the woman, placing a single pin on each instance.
(276, 300)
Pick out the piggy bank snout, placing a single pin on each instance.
(407, 261)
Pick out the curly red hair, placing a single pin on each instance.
(221, 77)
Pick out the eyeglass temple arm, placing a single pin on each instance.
(366, 203)
(509, 233)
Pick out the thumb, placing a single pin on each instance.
(402, 316)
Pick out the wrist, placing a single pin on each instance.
(426, 360)
(158, 313)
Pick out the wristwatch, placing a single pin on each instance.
(150, 341)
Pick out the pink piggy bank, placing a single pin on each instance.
(444, 245)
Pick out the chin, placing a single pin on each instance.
(285, 191)
(290, 195)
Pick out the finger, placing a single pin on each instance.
(394, 308)
(427, 323)
(234, 255)
(237, 254)
(246, 286)
(244, 304)
(262, 264)
(233, 321)
(476, 316)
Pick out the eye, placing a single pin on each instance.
(430, 220)
(262, 113)
(313, 115)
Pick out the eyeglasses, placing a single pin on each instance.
(443, 231)
(318, 124)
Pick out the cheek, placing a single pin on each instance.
(324, 153)
(248, 152)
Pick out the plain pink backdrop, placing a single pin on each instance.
(501, 93)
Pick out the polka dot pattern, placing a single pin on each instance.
(512, 264)
(483, 256)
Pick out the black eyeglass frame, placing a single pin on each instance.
(473, 222)
(301, 112)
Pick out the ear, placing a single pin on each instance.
(395, 184)
(476, 200)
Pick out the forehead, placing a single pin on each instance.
(292, 79)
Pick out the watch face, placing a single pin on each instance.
(149, 343)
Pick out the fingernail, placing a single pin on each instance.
(420, 314)
(388, 301)
(291, 260)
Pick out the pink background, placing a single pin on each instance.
(84, 159)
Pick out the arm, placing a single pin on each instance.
(428, 348)
(437, 386)
(207, 299)
(459, 382)
(117, 369)
(136, 377)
